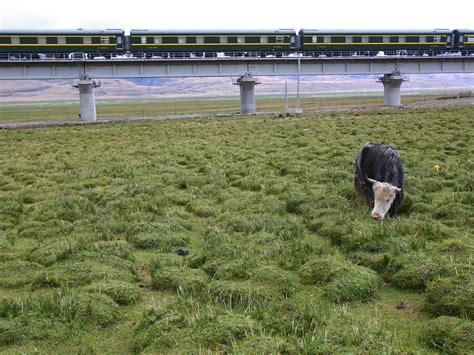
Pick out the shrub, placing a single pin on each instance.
(450, 335)
(450, 296)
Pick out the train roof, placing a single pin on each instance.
(78, 31)
(212, 32)
(372, 31)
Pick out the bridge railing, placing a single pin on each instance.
(153, 56)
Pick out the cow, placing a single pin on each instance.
(379, 179)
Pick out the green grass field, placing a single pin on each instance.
(282, 256)
(163, 107)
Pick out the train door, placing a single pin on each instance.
(461, 41)
(450, 41)
(292, 41)
(119, 43)
(458, 40)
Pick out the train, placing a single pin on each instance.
(155, 44)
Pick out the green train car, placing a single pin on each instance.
(371, 42)
(464, 40)
(48, 43)
(164, 43)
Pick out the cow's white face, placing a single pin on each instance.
(384, 194)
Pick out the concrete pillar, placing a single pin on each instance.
(87, 98)
(391, 88)
(247, 93)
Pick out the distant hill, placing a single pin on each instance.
(52, 90)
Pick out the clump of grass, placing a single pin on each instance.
(63, 306)
(345, 332)
(236, 294)
(237, 269)
(52, 252)
(303, 313)
(159, 241)
(182, 280)
(17, 273)
(121, 292)
(221, 331)
(342, 281)
(358, 283)
(449, 335)
(322, 270)
(73, 273)
(284, 281)
(413, 271)
(154, 328)
(68, 208)
(263, 345)
(450, 296)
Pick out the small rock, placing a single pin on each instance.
(401, 305)
(182, 252)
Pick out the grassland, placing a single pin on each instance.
(282, 257)
(17, 112)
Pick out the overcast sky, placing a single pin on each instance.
(240, 14)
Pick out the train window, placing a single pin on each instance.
(280, 39)
(422, 39)
(365, 39)
(263, 39)
(157, 40)
(143, 39)
(87, 40)
(61, 40)
(223, 39)
(437, 39)
(327, 39)
(200, 39)
(241, 39)
(386, 39)
(41, 40)
(349, 39)
(315, 39)
(15, 40)
(181, 40)
(402, 39)
(104, 40)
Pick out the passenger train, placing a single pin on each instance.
(155, 44)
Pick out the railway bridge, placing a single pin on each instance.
(86, 74)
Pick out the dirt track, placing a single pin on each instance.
(53, 123)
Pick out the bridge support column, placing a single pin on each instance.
(247, 93)
(391, 88)
(87, 110)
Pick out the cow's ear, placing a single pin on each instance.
(397, 189)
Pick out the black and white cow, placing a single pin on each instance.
(379, 178)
